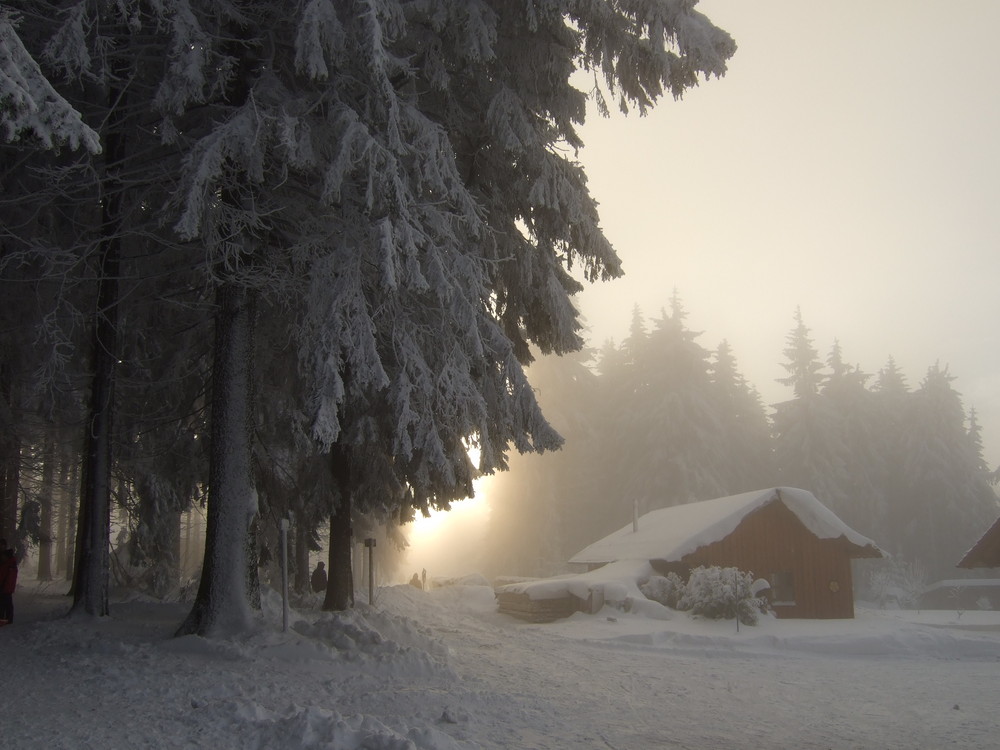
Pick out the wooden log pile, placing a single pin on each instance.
(536, 610)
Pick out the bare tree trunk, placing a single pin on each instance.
(340, 583)
(301, 553)
(62, 516)
(72, 513)
(10, 458)
(91, 578)
(221, 606)
(252, 567)
(45, 503)
(10, 488)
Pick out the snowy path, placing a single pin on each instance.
(600, 693)
(444, 671)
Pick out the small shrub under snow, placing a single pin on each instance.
(666, 589)
(713, 592)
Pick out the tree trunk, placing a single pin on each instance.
(62, 530)
(340, 583)
(10, 488)
(252, 566)
(301, 553)
(45, 503)
(91, 579)
(72, 514)
(10, 459)
(221, 606)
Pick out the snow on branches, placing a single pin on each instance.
(29, 105)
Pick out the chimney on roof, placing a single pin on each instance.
(635, 516)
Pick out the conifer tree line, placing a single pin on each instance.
(660, 420)
(288, 260)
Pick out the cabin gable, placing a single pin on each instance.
(986, 552)
(809, 577)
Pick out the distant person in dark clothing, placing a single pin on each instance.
(318, 580)
(8, 582)
(415, 582)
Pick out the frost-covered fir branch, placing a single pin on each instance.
(29, 106)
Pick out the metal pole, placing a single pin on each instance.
(284, 575)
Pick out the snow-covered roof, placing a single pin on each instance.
(617, 581)
(672, 533)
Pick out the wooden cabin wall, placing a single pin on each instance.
(771, 540)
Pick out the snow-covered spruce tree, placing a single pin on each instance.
(663, 416)
(683, 421)
(405, 180)
(749, 461)
(802, 361)
(108, 60)
(826, 438)
(498, 81)
(890, 396)
(623, 384)
(226, 209)
(805, 448)
(34, 118)
(853, 486)
(31, 243)
(945, 497)
(116, 92)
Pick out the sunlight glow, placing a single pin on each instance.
(449, 543)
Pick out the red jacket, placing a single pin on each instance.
(8, 574)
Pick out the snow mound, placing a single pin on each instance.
(312, 728)
(379, 639)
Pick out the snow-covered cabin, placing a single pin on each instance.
(784, 535)
(986, 552)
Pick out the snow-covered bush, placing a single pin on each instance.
(894, 584)
(666, 590)
(721, 593)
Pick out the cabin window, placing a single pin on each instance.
(782, 587)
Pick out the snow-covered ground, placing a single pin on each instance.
(442, 669)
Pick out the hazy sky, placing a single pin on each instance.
(849, 163)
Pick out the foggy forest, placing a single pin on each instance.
(661, 420)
